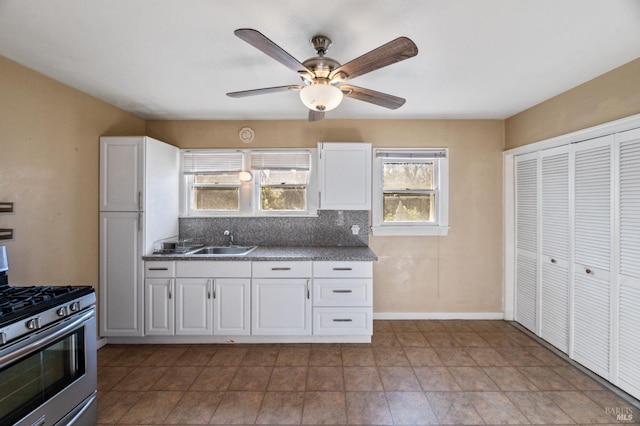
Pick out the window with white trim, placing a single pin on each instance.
(266, 182)
(410, 194)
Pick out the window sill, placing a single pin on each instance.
(410, 231)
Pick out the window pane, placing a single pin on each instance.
(215, 198)
(222, 178)
(407, 176)
(278, 177)
(409, 208)
(287, 198)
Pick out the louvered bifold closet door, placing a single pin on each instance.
(526, 171)
(628, 377)
(592, 245)
(554, 235)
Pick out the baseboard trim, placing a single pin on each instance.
(438, 315)
(102, 342)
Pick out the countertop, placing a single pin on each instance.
(361, 254)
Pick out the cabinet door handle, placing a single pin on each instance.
(213, 284)
(342, 320)
(139, 200)
(342, 269)
(553, 261)
(342, 291)
(280, 269)
(209, 289)
(171, 282)
(158, 269)
(308, 291)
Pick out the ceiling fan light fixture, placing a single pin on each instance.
(321, 97)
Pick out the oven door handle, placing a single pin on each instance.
(86, 405)
(40, 343)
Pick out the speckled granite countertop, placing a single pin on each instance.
(361, 254)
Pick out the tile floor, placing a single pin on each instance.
(413, 372)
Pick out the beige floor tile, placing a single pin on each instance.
(545, 379)
(109, 352)
(152, 407)
(547, 357)
(578, 379)
(384, 338)
(390, 356)
(261, 356)
(580, 408)
(325, 356)
(325, 379)
(487, 357)
(288, 379)
(199, 355)
(382, 325)
(251, 379)
(440, 339)
(362, 379)
(422, 357)
(177, 378)
(368, 408)
(473, 379)
(140, 379)
(281, 408)
(238, 408)
(108, 377)
(133, 356)
(399, 379)
(357, 356)
(293, 357)
(164, 356)
(455, 357)
(412, 339)
(214, 379)
(522, 339)
(113, 405)
(456, 325)
(428, 326)
(436, 379)
(228, 356)
(539, 409)
(194, 408)
(519, 357)
(410, 408)
(404, 326)
(497, 339)
(324, 408)
(496, 408)
(469, 340)
(510, 379)
(453, 408)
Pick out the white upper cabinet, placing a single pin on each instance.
(121, 174)
(344, 176)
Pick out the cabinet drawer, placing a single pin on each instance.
(281, 269)
(342, 292)
(159, 269)
(218, 269)
(343, 269)
(343, 321)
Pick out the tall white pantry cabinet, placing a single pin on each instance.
(138, 205)
(577, 258)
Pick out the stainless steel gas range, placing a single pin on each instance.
(48, 360)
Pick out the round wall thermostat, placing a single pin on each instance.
(246, 135)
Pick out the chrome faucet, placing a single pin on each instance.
(227, 233)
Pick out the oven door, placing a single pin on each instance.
(51, 376)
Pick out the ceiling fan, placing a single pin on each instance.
(323, 89)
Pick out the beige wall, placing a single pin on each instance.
(461, 272)
(49, 168)
(608, 97)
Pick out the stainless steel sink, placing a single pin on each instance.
(222, 251)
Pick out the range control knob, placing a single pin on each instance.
(3, 337)
(33, 323)
(74, 307)
(62, 312)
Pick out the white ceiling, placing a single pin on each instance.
(176, 59)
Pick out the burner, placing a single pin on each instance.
(23, 301)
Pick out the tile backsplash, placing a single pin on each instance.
(329, 228)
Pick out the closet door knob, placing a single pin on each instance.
(587, 271)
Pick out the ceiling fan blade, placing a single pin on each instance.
(262, 43)
(264, 91)
(373, 97)
(316, 115)
(395, 51)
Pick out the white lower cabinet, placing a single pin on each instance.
(281, 298)
(342, 298)
(159, 307)
(193, 306)
(231, 306)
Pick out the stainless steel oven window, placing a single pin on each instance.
(30, 381)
